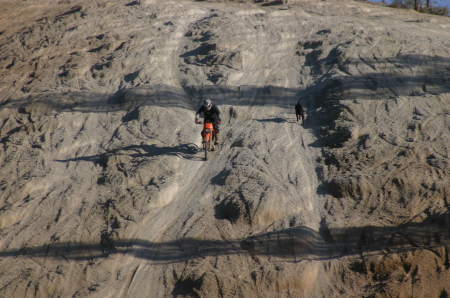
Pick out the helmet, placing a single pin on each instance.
(207, 103)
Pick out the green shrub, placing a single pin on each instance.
(437, 10)
(409, 4)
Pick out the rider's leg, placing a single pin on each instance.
(216, 141)
(216, 135)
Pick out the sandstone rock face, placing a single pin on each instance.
(104, 190)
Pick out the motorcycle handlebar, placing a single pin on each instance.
(199, 122)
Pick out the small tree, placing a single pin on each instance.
(407, 3)
(424, 6)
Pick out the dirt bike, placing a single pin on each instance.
(208, 134)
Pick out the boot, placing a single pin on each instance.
(216, 139)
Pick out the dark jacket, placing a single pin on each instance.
(212, 114)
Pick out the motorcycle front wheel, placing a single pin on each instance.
(205, 147)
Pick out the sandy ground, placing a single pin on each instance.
(104, 189)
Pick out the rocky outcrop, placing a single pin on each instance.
(104, 190)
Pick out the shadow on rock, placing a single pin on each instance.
(186, 151)
(275, 120)
(292, 244)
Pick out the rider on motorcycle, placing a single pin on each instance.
(212, 114)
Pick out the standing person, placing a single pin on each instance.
(211, 114)
(299, 111)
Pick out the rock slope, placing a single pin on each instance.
(104, 190)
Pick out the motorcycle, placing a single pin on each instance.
(208, 135)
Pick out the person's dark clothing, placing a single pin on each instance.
(212, 115)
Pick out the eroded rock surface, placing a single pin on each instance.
(104, 190)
